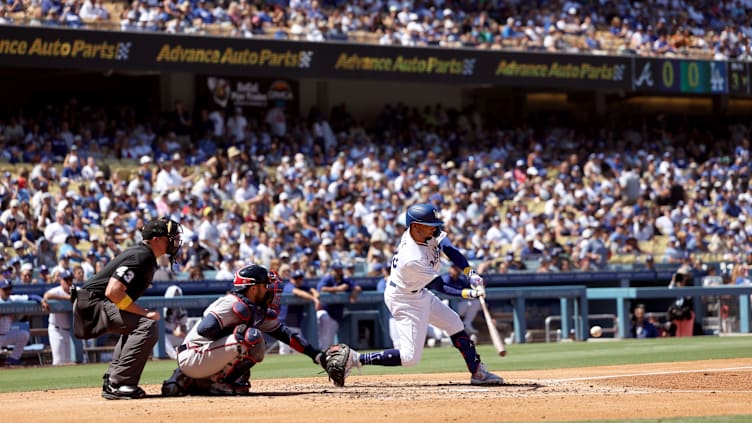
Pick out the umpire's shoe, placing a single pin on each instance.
(113, 391)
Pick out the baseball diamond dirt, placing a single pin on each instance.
(656, 390)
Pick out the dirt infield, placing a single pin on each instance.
(698, 388)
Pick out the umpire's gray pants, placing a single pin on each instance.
(137, 338)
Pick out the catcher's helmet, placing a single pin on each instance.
(425, 214)
(252, 274)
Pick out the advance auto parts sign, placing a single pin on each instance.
(34, 46)
(568, 71)
(420, 64)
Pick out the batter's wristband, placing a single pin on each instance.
(124, 303)
(466, 293)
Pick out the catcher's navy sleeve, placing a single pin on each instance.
(209, 327)
(294, 340)
(454, 255)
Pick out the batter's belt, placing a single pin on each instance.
(394, 285)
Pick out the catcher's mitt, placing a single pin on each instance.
(337, 363)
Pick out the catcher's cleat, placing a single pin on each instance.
(483, 377)
(209, 387)
(177, 385)
(113, 391)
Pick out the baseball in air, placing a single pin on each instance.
(596, 331)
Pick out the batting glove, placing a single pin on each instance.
(475, 292)
(476, 280)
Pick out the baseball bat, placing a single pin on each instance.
(492, 330)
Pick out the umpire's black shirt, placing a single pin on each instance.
(134, 267)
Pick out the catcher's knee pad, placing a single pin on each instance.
(251, 343)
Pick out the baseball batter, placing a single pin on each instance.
(415, 267)
(217, 354)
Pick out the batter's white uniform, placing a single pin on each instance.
(59, 332)
(413, 306)
(13, 335)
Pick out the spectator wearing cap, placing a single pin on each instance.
(22, 233)
(329, 316)
(294, 315)
(27, 274)
(650, 262)
(229, 227)
(13, 211)
(12, 335)
(208, 234)
(25, 252)
(89, 264)
(594, 253)
(59, 327)
(72, 164)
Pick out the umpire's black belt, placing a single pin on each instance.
(395, 286)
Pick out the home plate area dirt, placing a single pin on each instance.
(698, 388)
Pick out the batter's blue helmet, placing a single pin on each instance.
(425, 214)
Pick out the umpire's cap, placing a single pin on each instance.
(423, 213)
(160, 227)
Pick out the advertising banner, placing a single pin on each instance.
(580, 72)
(219, 92)
(287, 60)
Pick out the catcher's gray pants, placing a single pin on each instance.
(216, 358)
(137, 338)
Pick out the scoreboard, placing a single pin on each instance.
(681, 76)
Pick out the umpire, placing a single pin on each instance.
(105, 304)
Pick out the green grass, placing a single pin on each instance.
(435, 360)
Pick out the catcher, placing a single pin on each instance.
(217, 354)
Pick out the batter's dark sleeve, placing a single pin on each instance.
(439, 285)
(454, 255)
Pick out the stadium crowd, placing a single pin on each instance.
(696, 28)
(310, 191)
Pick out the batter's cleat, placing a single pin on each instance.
(353, 360)
(113, 391)
(483, 377)
(13, 362)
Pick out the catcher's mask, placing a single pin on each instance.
(164, 226)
